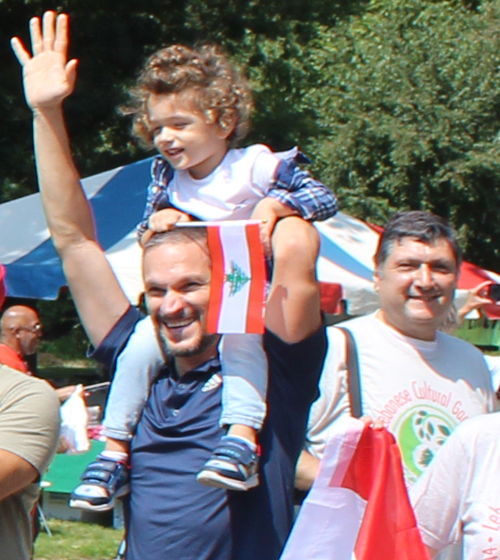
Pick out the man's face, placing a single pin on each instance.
(177, 279)
(416, 285)
(30, 336)
(184, 135)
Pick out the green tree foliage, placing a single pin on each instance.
(409, 98)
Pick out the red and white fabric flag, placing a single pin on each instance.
(358, 508)
(239, 279)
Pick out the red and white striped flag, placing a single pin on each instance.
(358, 508)
(239, 279)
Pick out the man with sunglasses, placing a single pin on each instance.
(20, 336)
(29, 429)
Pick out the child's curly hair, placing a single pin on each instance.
(223, 92)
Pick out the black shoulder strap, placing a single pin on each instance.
(353, 378)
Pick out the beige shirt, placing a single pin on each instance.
(29, 428)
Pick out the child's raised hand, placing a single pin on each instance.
(267, 226)
(47, 75)
(163, 220)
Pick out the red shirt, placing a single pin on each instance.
(12, 359)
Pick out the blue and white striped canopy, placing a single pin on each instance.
(33, 269)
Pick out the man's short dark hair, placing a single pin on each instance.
(422, 226)
(177, 235)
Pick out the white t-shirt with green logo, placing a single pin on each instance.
(420, 390)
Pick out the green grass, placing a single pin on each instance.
(72, 540)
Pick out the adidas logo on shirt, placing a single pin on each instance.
(213, 383)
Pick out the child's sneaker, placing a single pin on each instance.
(103, 481)
(233, 466)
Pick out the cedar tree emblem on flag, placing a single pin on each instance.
(236, 278)
(239, 280)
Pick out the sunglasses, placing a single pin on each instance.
(37, 329)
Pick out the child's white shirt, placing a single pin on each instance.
(232, 190)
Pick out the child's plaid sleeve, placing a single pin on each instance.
(297, 189)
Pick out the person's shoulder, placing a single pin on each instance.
(18, 387)
(115, 341)
(356, 326)
(469, 360)
(250, 155)
(478, 431)
(247, 152)
(454, 344)
(161, 170)
(255, 149)
(45, 389)
(10, 375)
(483, 422)
(12, 378)
(337, 342)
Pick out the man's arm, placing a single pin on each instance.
(29, 430)
(48, 79)
(15, 474)
(306, 471)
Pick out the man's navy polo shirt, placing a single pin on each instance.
(173, 517)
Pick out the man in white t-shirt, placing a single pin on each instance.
(419, 382)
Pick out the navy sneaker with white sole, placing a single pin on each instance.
(103, 481)
(233, 466)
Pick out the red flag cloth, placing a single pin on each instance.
(358, 507)
(389, 528)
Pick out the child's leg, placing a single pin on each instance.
(136, 368)
(295, 250)
(107, 477)
(244, 368)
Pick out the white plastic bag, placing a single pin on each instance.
(74, 422)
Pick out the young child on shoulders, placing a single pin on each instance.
(193, 105)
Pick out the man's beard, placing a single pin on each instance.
(198, 346)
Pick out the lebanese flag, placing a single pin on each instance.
(358, 507)
(239, 279)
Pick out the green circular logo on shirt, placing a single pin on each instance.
(420, 432)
